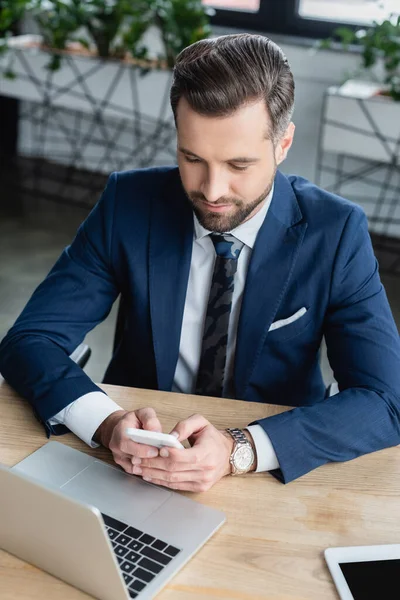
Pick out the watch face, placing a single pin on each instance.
(243, 458)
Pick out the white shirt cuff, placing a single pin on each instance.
(84, 416)
(266, 457)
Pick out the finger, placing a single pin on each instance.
(193, 456)
(187, 427)
(126, 446)
(168, 464)
(175, 477)
(124, 461)
(148, 419)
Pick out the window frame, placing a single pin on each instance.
(277, 17)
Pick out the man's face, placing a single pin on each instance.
(228, 164)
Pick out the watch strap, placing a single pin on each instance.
(238, 435)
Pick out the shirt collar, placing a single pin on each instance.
(246, 232)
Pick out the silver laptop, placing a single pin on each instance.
(94, 526)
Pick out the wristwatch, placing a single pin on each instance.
(242, 456)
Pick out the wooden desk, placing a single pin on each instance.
(273, 541)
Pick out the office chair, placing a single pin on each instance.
(82, 353)
(332, 389)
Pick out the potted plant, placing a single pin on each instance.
(57, 22)
(362, 117)
(92, 30)
(10, 14)
(379, 44)
(101, 64)
(111, 28)
(181, 23)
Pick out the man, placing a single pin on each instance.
(239, 315)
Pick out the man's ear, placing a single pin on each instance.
(284, 144)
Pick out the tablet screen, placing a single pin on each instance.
(369, 580)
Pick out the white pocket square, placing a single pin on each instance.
(284, 322)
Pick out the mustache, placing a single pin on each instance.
(221, 202)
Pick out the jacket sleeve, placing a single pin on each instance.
(364, 352)
(76, 295)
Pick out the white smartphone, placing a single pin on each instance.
(365, 572)
(152, 438)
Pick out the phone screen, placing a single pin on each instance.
(373, 579)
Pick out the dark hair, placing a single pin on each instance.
(219, 75)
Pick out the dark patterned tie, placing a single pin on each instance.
(210, 377)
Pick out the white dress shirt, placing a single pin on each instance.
(84, 415)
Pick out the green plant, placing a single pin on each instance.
(58, 20)
(380, 42)
(11, 12)
(140, 20)
(104, 20)
(116, 27)
(181, 23)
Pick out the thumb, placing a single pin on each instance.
(148, 419)
(184, 429)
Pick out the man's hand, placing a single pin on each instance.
(111, 434)
(195, 469)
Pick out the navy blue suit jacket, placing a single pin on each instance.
(313, 250)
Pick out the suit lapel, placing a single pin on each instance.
(170, 250)
(271, 265)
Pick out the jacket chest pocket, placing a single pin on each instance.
(289, 327)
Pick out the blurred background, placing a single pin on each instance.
(84, 92)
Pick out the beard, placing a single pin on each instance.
(220, 222)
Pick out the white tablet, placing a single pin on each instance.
(366, 572)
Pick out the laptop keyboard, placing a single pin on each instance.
(140, 556)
